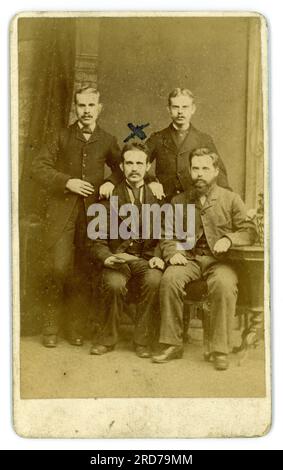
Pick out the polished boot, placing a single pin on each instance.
(76, 340)
(143, 351)
(100, 349)
(221, 361)
(49, 341)
(168, 353)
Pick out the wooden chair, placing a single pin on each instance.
(196, 306)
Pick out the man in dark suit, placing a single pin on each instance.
(71, 168)
(127, 260)
(171, 147)
(220, 223)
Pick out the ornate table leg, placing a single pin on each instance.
(254, 311)
(250, 335)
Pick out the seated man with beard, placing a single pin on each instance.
(220, 223)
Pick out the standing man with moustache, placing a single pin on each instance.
(171, 147)
(71, 168)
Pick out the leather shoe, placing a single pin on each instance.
(221, 362)
(208, 356)
(100, 349)
(76, 340)
(143, 351)
(49, 341)
(169, 353)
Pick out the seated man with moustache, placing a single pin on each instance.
(220, 223)
(127, 260)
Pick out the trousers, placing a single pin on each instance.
(222, 282)
(114, 289)
(64, 280)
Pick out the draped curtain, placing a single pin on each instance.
(50, 85)
(47, 49)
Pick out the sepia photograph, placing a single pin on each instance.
(140, 224)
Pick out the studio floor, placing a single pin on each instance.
(71, 372)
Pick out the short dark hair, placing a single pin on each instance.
(180, 92)
(205, 152)
(86, 89)
(135, 146)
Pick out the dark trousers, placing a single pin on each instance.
(64, 284)
(222, 292)
(114, 287)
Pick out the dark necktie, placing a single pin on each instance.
(179, 137)
(137, 202)
(136, 194)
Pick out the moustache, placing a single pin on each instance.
(199, 180)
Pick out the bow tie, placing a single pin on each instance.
(86, 130)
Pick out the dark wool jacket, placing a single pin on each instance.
(70, 155)
(103, 248)
(172, 164)
(223, 215)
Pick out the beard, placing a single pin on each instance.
(202, 186)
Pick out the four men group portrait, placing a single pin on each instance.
(175, 167)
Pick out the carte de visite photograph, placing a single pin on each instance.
(140, 204)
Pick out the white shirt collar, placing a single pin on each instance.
(141, 183)
(181, 130)
(92, 127)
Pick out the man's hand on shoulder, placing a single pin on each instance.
(178, 259)
(222, 245)
(106, 190)
(157, 190)
(81, 187)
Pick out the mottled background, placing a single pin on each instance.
(135, 63)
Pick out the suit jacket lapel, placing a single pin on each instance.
(188, 142)
(78, 133)
(187, 145)
(211, 197)
(168, 140)
(96, 135)
(123, 197)
(148, 195)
